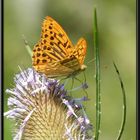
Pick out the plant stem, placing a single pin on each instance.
(28, 48)
(97, 71)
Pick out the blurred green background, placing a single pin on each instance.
(117, 42)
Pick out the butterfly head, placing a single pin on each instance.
(83, 67)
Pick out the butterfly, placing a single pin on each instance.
(55, 55)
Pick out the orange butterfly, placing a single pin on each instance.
(55, 55)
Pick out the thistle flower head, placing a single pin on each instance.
(42, 110)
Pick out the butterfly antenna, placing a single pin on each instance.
(92, 60)
(28, 48)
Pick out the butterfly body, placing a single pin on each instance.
(55, 55)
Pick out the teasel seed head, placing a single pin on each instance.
(42, 110)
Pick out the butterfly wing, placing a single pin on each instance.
(75, 61)
(80, 50)
(53, 49)
(53, 35)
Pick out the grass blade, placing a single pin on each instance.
(97, 74)
(124, 104)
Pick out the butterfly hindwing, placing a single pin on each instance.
(80, 50)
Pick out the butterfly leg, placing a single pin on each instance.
(72, 85)
(84, 86)
(66, 82)
(85, 77)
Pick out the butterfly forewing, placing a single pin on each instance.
(53, 35)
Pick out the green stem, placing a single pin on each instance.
(124, 104)
(97, 70)
(28, 48)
